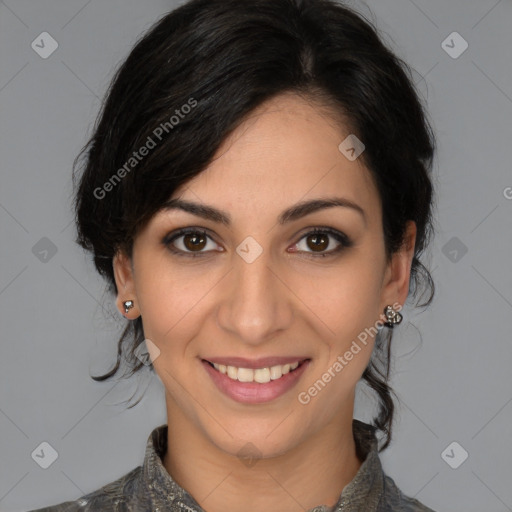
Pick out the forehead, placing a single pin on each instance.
(285, 151)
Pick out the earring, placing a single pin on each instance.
(128, 304)
(393, 317)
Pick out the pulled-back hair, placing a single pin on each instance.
(195, 76)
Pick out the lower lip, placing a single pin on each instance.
(254, 392)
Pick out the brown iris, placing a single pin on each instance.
(194, 241)
(316, 238)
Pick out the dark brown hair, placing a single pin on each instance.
(193, 78)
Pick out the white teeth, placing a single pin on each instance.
(245, 374)
(275, 372)
(232, 372)
(261, 375)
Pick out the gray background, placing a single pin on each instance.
(58, 325)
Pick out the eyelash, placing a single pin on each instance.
(343, 239)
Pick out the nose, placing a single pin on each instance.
(256, 303)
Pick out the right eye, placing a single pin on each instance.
(189, 242)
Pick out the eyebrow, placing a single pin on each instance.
(295, 212)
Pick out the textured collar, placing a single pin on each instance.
(363, 493)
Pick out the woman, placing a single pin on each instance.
(257, 195)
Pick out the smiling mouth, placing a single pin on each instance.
(259, 375)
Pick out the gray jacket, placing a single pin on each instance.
(150, 488)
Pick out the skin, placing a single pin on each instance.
(283, 303)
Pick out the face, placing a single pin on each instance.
(268, 282)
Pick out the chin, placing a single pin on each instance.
(248, 444)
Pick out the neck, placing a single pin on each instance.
(313, 473)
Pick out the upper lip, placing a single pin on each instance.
(262, 362)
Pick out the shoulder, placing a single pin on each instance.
(118, 496)
(394, 500)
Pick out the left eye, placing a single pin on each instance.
(319, 240)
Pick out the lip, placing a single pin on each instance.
(262, 362)
(255, 392)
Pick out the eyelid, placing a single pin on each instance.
(171, 237)
(343, 241)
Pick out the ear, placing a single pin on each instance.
(398, 272)
(123, 274)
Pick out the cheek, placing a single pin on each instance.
(170, 299)
(344, 298)
(343, 308)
